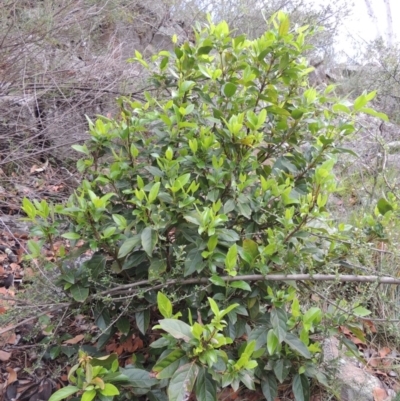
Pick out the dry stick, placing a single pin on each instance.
(57, 307)
(253, 277)
(259, 277)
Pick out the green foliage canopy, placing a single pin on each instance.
(224, 169)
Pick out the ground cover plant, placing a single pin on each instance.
(197, 209)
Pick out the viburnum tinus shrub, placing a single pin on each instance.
(223, 169)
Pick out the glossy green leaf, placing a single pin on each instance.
(149, 240)
(109, 389)
(272, 342)
(297, 345)
(64, 393)
(282, 369)
(269, 388)
(154, 192)
(123, 325)
(72, 236)
(301, 388)
(240, 285)
(88, 395)
(143, 320)
(216, 280)
(384, 206)
(79, 292)
(182, 382)
(138, 377)
(229, 89)
(230, 260)
(279, 325)
(128, 245)
(164, 305)
(178, 329)
(206, 387)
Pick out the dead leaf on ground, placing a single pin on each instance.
(75, 340)
(4, 356)
(370, 325)
(384, 351)
(12, 375)
(379, 394)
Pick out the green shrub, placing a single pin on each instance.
(218, 178)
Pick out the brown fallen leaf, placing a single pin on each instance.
(379, 394)
(12, 375)
(4, 356)
(74, 340)
(384, 351)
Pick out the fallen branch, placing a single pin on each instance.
(29, 319)
(124, 289)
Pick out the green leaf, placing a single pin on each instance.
(28, 208)
(360, 102)
(64, 393)
(105, 361)
(72, 236)
(193, 261)
(214, 306)
(297, 345)
(250, 247)
(301, 388)
(79, 292)
(216, 280)
(282, 369)
(258, 335)
(272, 342)
(374, 113)
(278, 322)
(241, 285)
(120, 221)
(149, 240)
(123, 325)
(170, 370)
(204, 50)
(109, 389)
(157, 395)
(247, 380)
(179, 330)
(164, 305)
(361, 311)
(81, 149)
(269, 388)
(206, 387)
(157, 268)
(182, 382)
(341, 107)
(186, 86)
(167, 360)
(284, 25)
(88, 395)
(138, 377)
(128, 245)
(96, 265)
(230, 260)
(313, 315)
(143, 320)
(384, 206)
(229, 89)
(154, 192)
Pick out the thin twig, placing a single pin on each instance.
(123, 289)
(57, 307)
